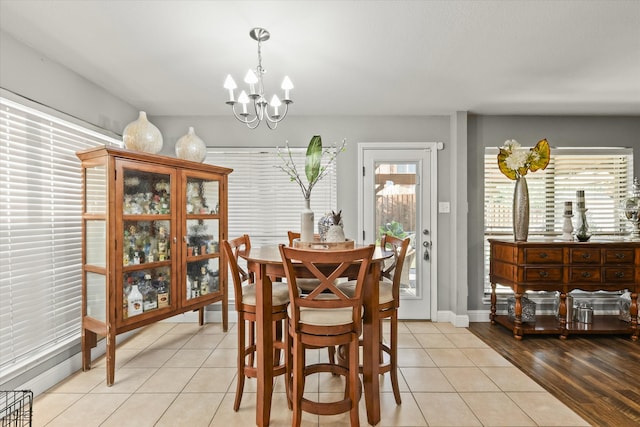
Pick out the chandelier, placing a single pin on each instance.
(252, 117)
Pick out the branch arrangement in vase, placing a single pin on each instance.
(314, 167)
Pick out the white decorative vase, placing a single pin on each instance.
(521, 210)
(191, 147)
(335, 234)
(306, 222)
(324, 223)
(142, 135)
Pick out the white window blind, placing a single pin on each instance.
(40, 234)
(605, 174)
(263, 201)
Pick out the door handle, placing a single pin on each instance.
(426, 250)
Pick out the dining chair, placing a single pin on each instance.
(308, 284)
(388, 305)
(245, 297)
(323, 318)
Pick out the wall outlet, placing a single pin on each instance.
(444, 207)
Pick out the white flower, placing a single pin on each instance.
(517, 159)
(511, 145)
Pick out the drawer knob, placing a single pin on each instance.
(619, 255)
(586, 255)
(543, 255)
(619, 274)
(544, 274)
(586, 274)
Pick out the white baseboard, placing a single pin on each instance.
(479, 316)
(67, 367)
(457, 320)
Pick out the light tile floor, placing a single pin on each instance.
(179, 374)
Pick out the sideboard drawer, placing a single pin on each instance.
(584, 274)
(618, 274)
(543, 256)
(584, 256)
(618, 256)
(543, 274)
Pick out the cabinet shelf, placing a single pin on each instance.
(549, 324)
(138, 228)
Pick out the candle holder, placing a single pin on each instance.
(631, 208)
(583, 232)
(567, 228)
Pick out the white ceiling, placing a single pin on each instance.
(349, 57)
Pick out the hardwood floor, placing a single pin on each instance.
(597, 376)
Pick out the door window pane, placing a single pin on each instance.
(395, 212)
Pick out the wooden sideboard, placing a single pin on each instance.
(552, 265)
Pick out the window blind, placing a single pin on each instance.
(605, 174)
(263, 201)
(40, 234)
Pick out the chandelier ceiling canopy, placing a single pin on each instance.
(252, 117)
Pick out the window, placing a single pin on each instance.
(604, 173)
(263, 202)
(40, 234)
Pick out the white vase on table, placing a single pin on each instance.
(306, 222)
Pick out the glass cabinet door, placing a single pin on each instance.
(202, 237)
(147, 245)
(145, 290)
(95, 241)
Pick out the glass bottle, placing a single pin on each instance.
(125, 298)
(163, 245)
(204, 281)
(150, 294)
(163, 293)
(135, 301)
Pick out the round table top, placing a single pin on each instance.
(271, 254)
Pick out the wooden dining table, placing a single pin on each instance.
(265, 262)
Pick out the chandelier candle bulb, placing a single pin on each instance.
(230, 85)
(251, 80)
(287, 86)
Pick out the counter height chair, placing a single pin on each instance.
(308, 284)
(388, 305)
(326, 317)
(245, 296)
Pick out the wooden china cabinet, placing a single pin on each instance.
(151, 227)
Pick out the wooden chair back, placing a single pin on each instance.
(293, 235)
(327, 267)
(393, 270)
(239, 275)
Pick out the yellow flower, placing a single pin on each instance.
(515, 162)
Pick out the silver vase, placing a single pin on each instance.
(521, 210)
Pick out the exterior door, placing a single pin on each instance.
(398, 194)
